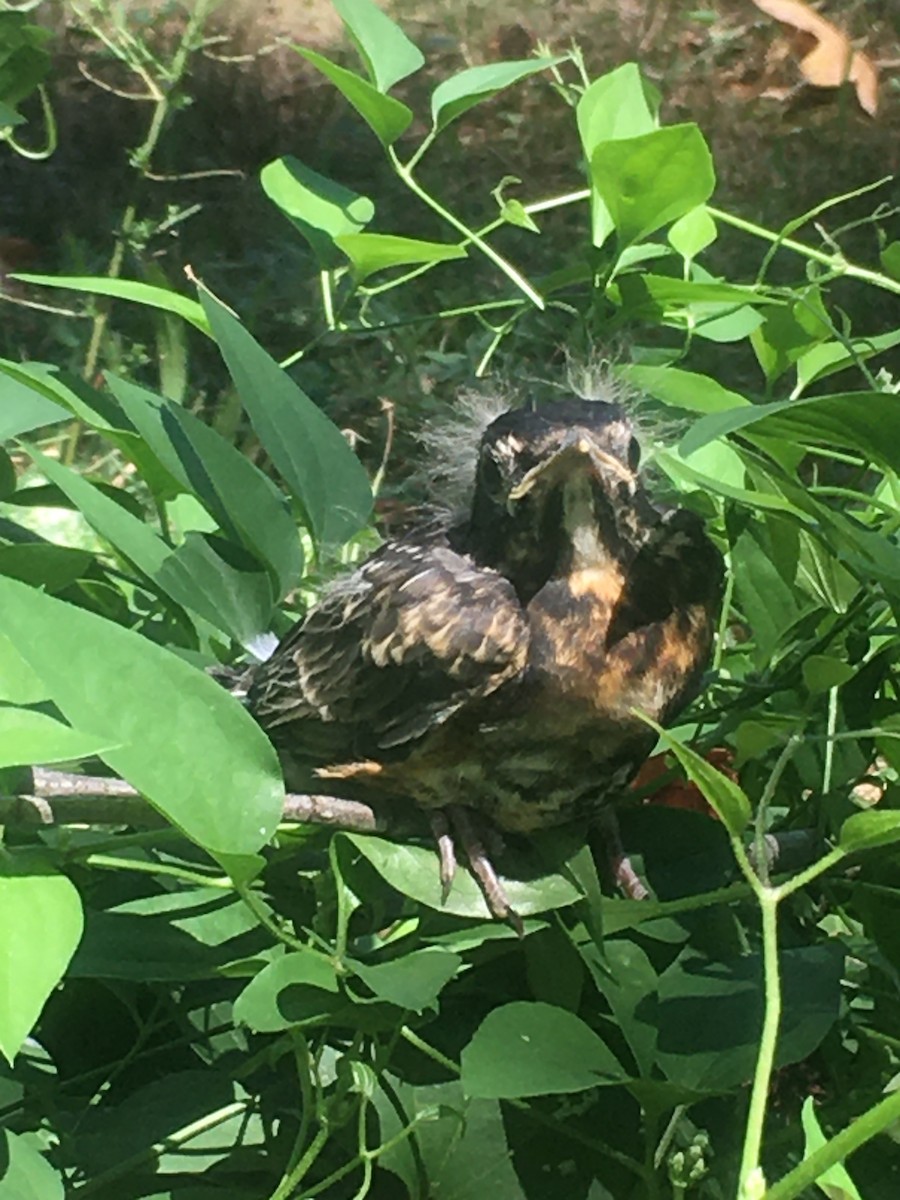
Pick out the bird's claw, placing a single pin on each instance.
(481, 866)
(440, 827)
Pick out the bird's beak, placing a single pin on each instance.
(579, 453)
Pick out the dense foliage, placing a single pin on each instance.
(254, 1007)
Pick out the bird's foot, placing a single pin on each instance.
(625, 876)
(463, 830)
(440, 827)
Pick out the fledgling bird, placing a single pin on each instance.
(488, 668)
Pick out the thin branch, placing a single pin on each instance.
(64, 798)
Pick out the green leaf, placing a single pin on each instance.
(785, 336)
(685, 477)
(23, 408)
(19, 684)
(648, 181)
(170, 571)
(413, 981)
(292, 988)
(834, 1182)
(461, 92)
(384, 115)
(191, 933)
(387, 52)
(9, 118)
(865, 421)
(371, 252)
(718, 462)
(32, 737)
(723, 794)
(147, 294)
(692, 233)
(865, 830)
(320, 209)
(208, 1102)
(515, 213)
(7, 476)
(237, 597)
(460, 1149)
(180, 739)
(45, 565)
(244, 502)
(135, 540)
(309, 450)
(890, 259)
(40, 929)
(24, 63)
(625, 975)
(827, 358)
(764, 561)
(683, 389)
(413, 871)
(534, 1049)
(26, 1175)
(709, 1013)
(821, 673)
(620, 104)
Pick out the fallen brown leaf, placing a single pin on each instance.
(832, 61)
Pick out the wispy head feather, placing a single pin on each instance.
(451, 444)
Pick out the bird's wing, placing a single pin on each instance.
(396, 648)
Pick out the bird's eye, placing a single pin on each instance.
(634, 454)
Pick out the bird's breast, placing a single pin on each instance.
(583, 677)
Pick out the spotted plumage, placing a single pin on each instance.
(494, 662)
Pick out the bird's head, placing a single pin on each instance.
(561, 481)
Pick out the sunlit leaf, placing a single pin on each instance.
(23, 408)
(461, 92)
(723, 794)
(310, 452)
(693, 232)
(318, 207)
(827, 358)
(24, 1173)
(384, 115)
(38, 934)
(834, 1182)
(172, 571)
(245, 503)
(148, 294)
(179, 738)
(385, 49)
(286, 991)
(19, 684)
(371, 252)
(683, 389)
(822, 672)
(648, 181)
(28, 737)
(864, 830)
(620, 104)
(413, 871)
(412, 981)
(535, 1049)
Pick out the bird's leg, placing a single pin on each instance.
(624, 874)
(440, 827)
(482, 868)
